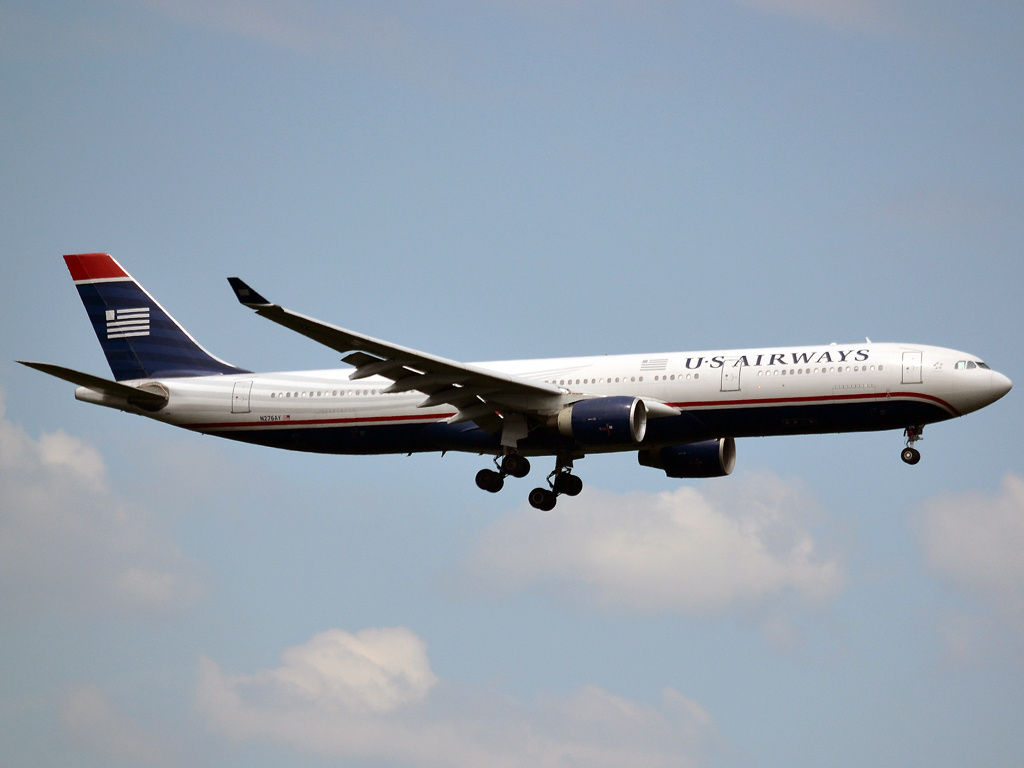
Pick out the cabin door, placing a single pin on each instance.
(731, 375)
(240, 397)
(911, 367)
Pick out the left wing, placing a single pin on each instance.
(477, 393)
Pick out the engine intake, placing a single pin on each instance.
(709, 458)
(604, 421)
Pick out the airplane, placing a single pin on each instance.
(680, 412)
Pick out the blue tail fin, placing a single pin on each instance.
(139, 338)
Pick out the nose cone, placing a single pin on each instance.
(1000, 385)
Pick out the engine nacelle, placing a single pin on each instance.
(604, 421)
(709, 458)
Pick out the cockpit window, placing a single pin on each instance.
(982, 365)
(961, 364)
(970, 364)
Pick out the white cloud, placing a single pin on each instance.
(975, 542)
(91, 720)
(67, 541)
(688, 550)
(372, 695)
(373, 671)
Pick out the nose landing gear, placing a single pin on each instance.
(910, 454)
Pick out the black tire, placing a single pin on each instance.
(910, 455)
(517, 466)
(542, 499)
(568, 484)
(489, 480)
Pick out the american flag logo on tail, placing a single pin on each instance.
(122, 323)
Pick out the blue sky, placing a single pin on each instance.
(497, 180)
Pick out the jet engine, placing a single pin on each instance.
(604, 421)
(709, 458)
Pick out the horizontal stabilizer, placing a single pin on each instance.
(103, 386)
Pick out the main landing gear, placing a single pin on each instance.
(509, 464)
(910, 454)
(563, 482)
(560, 481)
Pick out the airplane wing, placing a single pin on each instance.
(476, 392)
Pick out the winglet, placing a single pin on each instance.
(247, 295)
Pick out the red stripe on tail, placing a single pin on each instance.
(93, 266)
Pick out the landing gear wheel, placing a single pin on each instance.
(515, 465)
(910, 455)
(568, 484)
(542, 499)
(489, 480)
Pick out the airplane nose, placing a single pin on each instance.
(1000, 385)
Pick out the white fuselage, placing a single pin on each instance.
(777, 390)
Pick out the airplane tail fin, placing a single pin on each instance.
(139, 338)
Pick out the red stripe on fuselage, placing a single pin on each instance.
(307, 422)
(93, 266)
(715, 404)
(815, 399)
